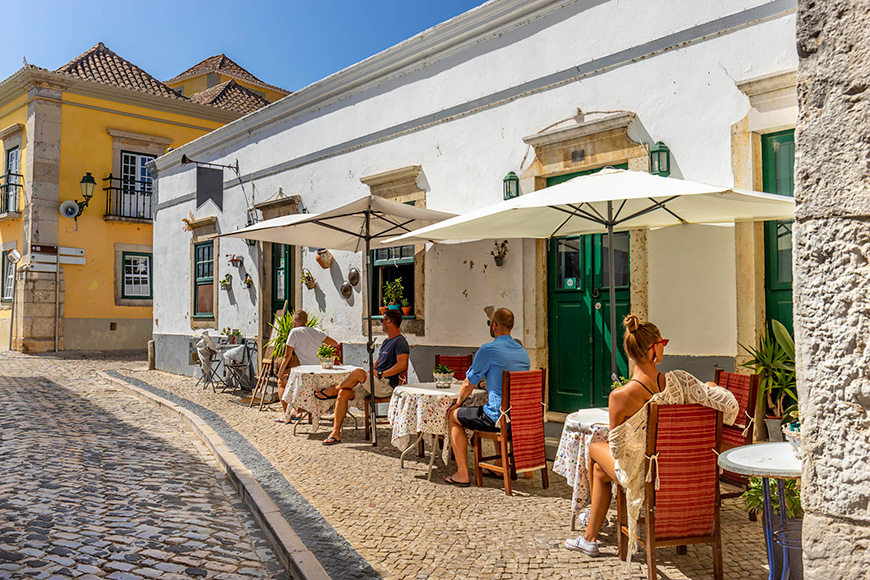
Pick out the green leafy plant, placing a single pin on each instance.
(282, 327)
(442, 369)
(773, 360)
(326, 351)
(753, 498)
(393, 291)
(791, 415)
(231, 331)
(405, 303)
(226, 281)
(620, 382)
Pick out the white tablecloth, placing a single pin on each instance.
(304, 380)
(422, 408)
(572, 459)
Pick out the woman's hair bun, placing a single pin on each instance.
(631, 323)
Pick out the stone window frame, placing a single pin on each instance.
(11, 137)
(139, 143)
(582, 146)
(203, 230)
(401, 185)
(6, 304)
(120, 250)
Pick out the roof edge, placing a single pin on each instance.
(426, 48)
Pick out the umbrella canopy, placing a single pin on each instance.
(344, 228)
(349, 227)
(608, 201)
(580, 206)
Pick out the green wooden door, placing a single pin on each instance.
(579, 316)
(282, 276)
(778, 177)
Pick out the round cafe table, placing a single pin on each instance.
(302, 383)
(421, 409)
(770, 461)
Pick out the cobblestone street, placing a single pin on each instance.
(98, 484)
(351, 504)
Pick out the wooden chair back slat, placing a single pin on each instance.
(522, 394)
(745, 390)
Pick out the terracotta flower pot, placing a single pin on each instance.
(384, 309)
(406, 311)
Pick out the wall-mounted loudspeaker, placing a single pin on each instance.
(69, 209)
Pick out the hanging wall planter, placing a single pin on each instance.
(234, 260)
(226, 282)
(248, 282)
(308, 279)
(499, 252)
(324, 258)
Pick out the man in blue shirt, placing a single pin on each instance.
(502, 354)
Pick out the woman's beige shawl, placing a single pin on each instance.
(628, 440)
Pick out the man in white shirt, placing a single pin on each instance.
(304, 341)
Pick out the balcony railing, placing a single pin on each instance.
(11, 186)
(128, 198)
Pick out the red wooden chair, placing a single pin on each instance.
(520, 446)
(745, 389)
(379, 419)
(339, 354)
(685, 507)
(458, 364)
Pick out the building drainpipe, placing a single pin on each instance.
(56, 303)
(12, 314)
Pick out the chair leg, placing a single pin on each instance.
(545, 476)
(478, 455)
(421, 451)
(621, 514)
(506, 465)
(682, 550)
(368, 420)
(651, 542)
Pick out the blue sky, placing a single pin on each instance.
(288, 43)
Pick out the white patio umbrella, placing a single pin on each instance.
(608, 201)
(350, 227)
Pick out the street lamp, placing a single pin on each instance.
(511, 185)
(660, 159)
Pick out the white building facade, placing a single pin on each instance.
(545, 89)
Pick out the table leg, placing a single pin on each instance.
(433, 451)
(768, 527)
(783, 521)
(408, 449)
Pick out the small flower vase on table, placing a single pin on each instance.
(327, 362)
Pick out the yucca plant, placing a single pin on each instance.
(753, 499)
(773, 360)
(283, 326)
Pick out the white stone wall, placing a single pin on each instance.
(461, 111)
(832, 285)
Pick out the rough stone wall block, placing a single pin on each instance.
(832, 284)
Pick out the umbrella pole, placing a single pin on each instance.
(370, 347)
(612, 283)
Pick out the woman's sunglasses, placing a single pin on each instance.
(664, 342)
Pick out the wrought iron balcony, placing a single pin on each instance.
(128, 198)
(11, 187)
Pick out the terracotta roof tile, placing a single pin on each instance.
(101, 65)
(223, 64)
(231, 96)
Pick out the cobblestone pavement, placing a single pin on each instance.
(95, 483)
(407, 527)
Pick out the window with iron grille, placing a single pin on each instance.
(8, 277)
(132, 197)
(137, 275)
(13, 180)
(203, 279)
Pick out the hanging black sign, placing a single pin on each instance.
(210, 186)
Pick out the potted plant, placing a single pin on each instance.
(499, 252)
(753, 500)
(383, 308)
(324, 258)
(791, 429)
(326, 354)
(406, 307)
(226, 281)
(393, 294)
(232, 334)
(248, 281)
(308, 279)
(443, 376)
(773, 360)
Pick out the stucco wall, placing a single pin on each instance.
(462, 117)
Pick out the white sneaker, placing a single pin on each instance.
(581, 545)
(583, 518)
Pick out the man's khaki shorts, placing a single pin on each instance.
(382, 387)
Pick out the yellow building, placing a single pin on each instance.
(100, 117)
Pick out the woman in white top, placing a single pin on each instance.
(621, 458)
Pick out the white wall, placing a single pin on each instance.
(685, 96)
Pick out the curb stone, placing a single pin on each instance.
(299, 562)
